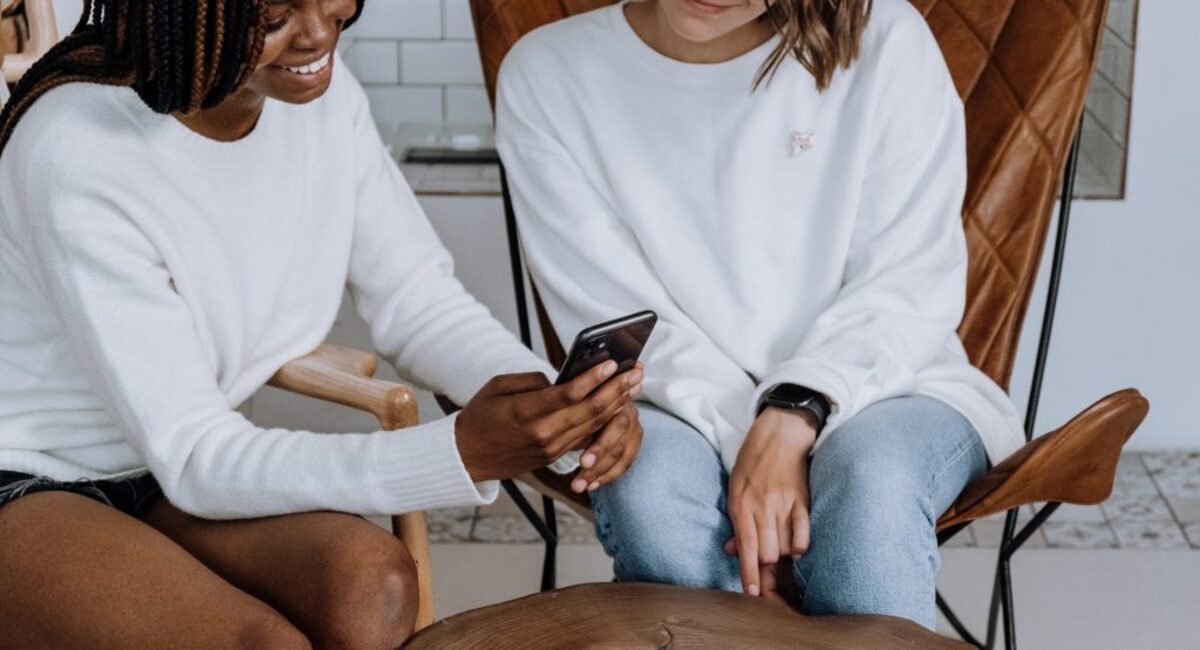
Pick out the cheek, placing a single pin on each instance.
(273, 47)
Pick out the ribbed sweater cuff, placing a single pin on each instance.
(420, 469)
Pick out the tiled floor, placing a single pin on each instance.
(1155, 505)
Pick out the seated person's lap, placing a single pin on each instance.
(877, 484)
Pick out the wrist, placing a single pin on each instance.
(799, 427)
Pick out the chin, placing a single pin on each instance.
(301, 98)
(695, 28)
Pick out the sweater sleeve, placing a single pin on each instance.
(402, 281)
(904, 288)
(589, 268)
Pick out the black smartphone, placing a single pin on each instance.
(621, 340)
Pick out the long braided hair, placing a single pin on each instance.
(178, 55)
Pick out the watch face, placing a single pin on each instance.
(792, 393)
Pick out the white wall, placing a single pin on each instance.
(1129, 312)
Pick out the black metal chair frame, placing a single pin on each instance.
(1011, 539)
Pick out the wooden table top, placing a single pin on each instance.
(639, 615)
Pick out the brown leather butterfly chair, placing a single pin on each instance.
(1022, 68)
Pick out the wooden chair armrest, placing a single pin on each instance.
(346, 376)
(1075, 464)
(43, 34)
(343, 375)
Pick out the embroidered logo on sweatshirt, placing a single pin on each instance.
(799, 142)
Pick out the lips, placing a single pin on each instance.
(312, 68)
(708, 7)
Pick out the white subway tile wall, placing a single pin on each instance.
(418, 61)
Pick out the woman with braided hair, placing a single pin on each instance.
(186, 188)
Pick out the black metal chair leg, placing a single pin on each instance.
(549, 560)
(1006, 607)
(959, 627)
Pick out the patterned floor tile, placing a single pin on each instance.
(514, 529)
(449, 525)
(1079, 534)
(1131, 464)
(1137, 509)
(1186, 511)
(1179, 484)
(503, 529)
(1173, 462)
(1134, 485)
(988, 532)
(1072, 512)
(1149, 534)
(1193, 534)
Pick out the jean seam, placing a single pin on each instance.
(954, 457)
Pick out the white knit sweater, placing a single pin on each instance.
(783, 235)
(151, 280)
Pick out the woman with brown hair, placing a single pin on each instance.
(782, 181)
(186, 189)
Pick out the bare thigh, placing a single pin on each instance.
(78, 574)
(343, 581)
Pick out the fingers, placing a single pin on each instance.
(610, 448)
(575, 436)
(801, 530)
(768, 538)
(768, 576)
(580, 387)
(746, 535)
(518, 383)
(625, 455)
(595, 410)
(783, 524)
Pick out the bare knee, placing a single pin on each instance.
(369, 591)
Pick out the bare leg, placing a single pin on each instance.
(78, 574)
(342, 580)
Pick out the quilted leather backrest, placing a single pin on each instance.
(1022, 68)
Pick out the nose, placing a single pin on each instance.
(318, 27)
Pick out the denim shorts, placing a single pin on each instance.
(130, 495)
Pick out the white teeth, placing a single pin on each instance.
(313, 67)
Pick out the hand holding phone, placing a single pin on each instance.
(614, 448)
(518, 423)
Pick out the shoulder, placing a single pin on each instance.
(900, 61)
(561, 43)
(72, 130)
(898, 35)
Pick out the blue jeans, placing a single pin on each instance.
(878, 485)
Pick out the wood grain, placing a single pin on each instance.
(43, 34)
(639, 615)
(337, 374)
(344, 375)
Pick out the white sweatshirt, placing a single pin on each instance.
(783, 235)
(151, 280)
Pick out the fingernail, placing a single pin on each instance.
(594, 486)
(608, 368)
(636, 377)
(578, 485)
(588, 460)
(752, 590)
(635, 391)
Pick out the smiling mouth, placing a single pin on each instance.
(710, 7)
(312, 68)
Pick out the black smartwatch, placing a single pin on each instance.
(791, 397)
